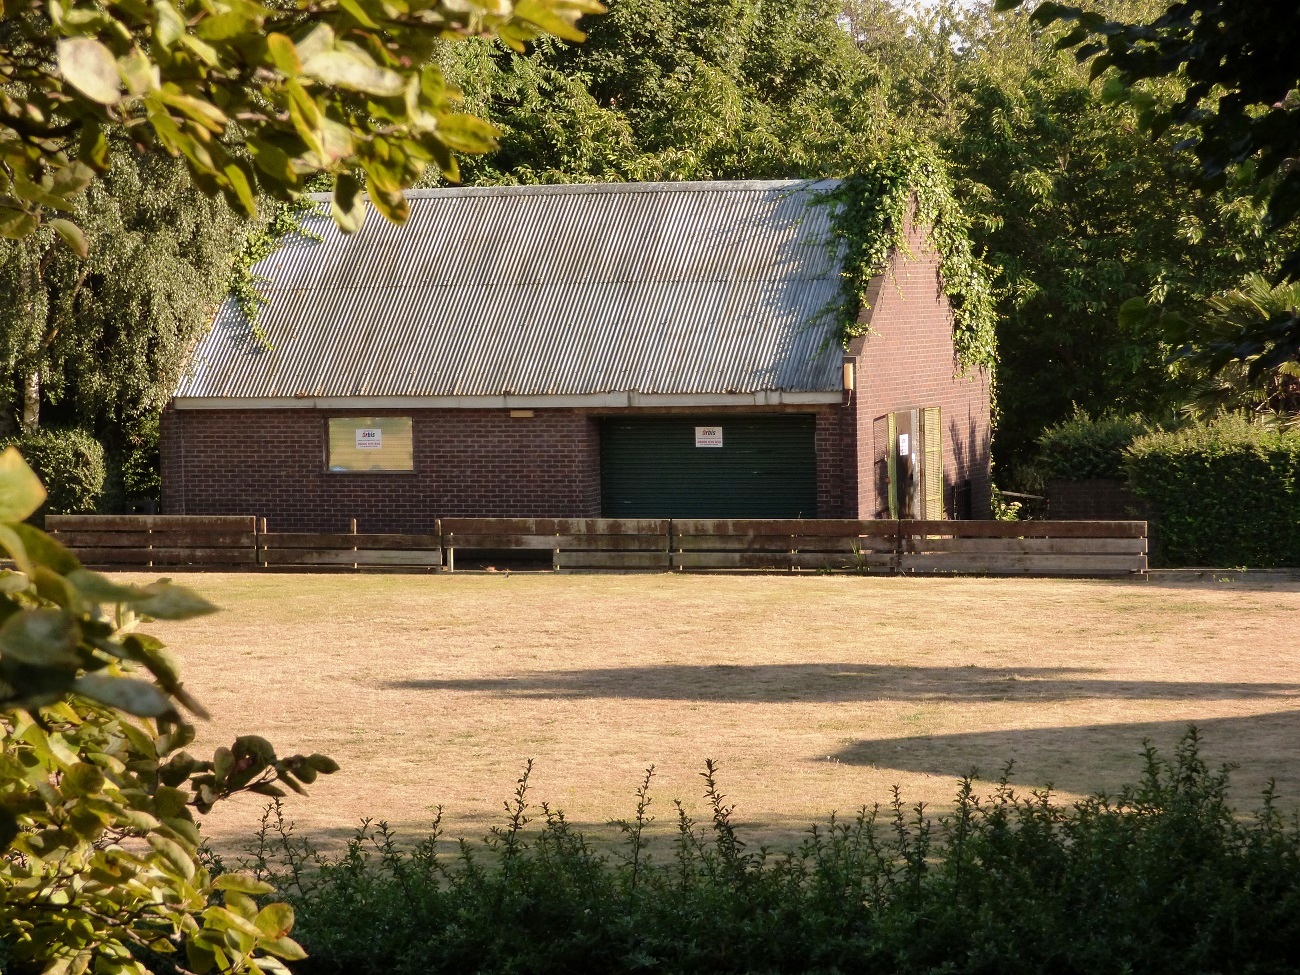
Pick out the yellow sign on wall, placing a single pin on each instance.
(370, 443)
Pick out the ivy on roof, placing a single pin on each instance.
(870, 211)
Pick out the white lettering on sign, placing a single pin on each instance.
(708, 436)
(904, 445)
(370, 438)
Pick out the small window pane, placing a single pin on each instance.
(370, 443)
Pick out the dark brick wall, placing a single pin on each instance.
(1096, 499)
(907, 361)
(468, 463)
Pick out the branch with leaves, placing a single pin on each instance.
(871, 211)
(100, 841)
(1241, 110)
(252, 96)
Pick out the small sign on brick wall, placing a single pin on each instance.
(370, 438)
(708, 436)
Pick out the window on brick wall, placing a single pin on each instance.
(370, 443)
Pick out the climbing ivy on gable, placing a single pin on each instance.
(264, 239)
(870, 210)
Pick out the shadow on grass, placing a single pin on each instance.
(769, 683)
(1098, 757)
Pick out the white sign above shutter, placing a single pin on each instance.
(708, 436)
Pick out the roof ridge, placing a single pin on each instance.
(588, 189)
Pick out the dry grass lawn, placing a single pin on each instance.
(814, 694)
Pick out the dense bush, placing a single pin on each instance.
(71, 465)
(1228, 492)
(1163, 877)
(1081, 448)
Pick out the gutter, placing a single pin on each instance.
(508, 401)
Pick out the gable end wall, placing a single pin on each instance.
(907, 361)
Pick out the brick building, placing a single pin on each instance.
(635, 350)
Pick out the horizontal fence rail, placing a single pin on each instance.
(293, 551)
(831, 544)
(1048, 548)
(634, 544)
(158, 541)
(1057, 548)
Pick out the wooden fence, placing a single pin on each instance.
(575, 543)
(828, 545)
(1051, 548)
(158, 541)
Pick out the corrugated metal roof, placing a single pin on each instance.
(653, 287)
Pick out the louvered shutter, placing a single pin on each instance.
(932, 442)
(891, 464)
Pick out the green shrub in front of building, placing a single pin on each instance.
(1163, 877)
(70, 463)
(1228, 492)
(1082, 448)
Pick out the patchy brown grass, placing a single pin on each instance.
(814, 694)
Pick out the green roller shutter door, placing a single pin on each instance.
(765, 468)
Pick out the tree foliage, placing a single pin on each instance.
(1241, 98)
(1082, 213)
(100, 340)
(100, 841)
(1237, 111)
(661, 90)
(249, 95)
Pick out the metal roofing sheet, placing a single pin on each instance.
(653, 288)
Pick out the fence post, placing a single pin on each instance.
(259, 545)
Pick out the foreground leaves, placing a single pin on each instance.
(249, 95)
(97, 797)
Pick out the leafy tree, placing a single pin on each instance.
(1221, 326)
(665, 90)
(249, 95)
(1240, 109)
(1083, 214)
(101, 340)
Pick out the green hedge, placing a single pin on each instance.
(1228, 493)
(1081, 448)
(1162, 877)
(71, 465)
